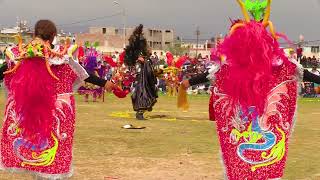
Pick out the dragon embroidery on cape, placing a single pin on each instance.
(259, 136)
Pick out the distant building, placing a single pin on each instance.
(107, 44)
(21, 27)
(157, 39)
(10, 31)
(7, 35)
(311, 50)
(82, 38)
(202, 47)
(10, 39)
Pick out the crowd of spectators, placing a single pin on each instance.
(310, 62)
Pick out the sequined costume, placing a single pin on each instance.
(145, 92)
(254, 99)
(51, 158)
(172, 73)
(172, 80)
(255, 146)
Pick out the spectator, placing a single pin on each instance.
(299, 52)
(315, 85)
(303, 61)
(155, 55)
(309, 62)
(314, 61)
(315, 71)
(162, 59)
(116, 56)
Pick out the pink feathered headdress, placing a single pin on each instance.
(250, 52)
(34, 93)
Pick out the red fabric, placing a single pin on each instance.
(181, 61)
(81, 53)
(120, 93)
(211, 109)
(121, 57)
(169, 58)
(110, 61)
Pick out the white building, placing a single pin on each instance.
(310, 51)
(202, 47)
(21, 26)
(14, 30)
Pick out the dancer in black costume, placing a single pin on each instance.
(145, 92)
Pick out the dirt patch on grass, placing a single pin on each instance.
(179, 168)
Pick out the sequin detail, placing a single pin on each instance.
(255, 146)
(49, 159)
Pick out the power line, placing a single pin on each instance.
(204, 39)
(83, 21)
(89, 20)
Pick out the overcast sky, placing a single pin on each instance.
(294, 17)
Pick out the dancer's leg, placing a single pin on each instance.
(139, 115)
(86, 98)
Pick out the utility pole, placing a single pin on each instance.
(198, 34)
(124, 19)
(124, 28)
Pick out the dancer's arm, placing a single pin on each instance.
(199, 79)
(3, 69)
(93, 79)
(310, 77)
(202, 78)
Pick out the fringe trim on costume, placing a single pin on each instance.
(43, 175)
(182, 101)
(213, 69)
(80, 72)
(300, 69)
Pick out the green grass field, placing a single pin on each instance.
(175, 145)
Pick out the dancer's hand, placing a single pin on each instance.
(141, 59)
(109, 86)
(185, 84)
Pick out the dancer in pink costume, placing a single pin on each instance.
(39, 123)
(254, 96)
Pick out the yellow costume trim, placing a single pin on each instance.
(267, 14)
(46, 157)
(244, 11)
(236, 26)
